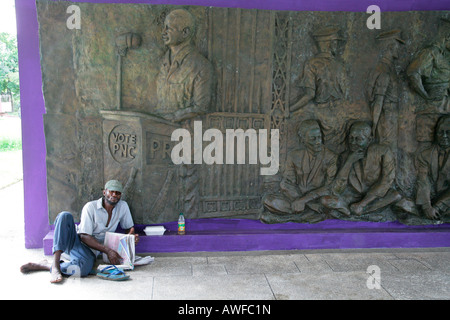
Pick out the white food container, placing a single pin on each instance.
(154, 230)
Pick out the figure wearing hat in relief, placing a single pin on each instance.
(383, 90)
(429, 77)
(324, 83)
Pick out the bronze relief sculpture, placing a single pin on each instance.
(433, 192)
(383, 90)
(365, 180)
(429, 77)
(324, 81)
(361, 115)
(308, 173)
(185, 80)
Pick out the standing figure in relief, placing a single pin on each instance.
(429, 77)
(325, 84)
(383, 91)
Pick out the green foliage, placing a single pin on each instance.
(9, 67)
(7, 144)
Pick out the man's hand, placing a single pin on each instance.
(114, 257)
(91, 242)
(431, 212)
(136, 236)
(355, 156)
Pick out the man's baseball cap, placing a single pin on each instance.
(114, 185)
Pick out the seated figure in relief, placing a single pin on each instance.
(307, 174)
(365, 181)
(433, 180)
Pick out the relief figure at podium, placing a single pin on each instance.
(185, 80)
(184, 91)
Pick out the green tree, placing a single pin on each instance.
(9, 67)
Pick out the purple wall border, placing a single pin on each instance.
(33, 109)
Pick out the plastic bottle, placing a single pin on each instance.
(181, 224)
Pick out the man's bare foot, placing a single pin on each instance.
(55, 270)
(31, 266)
(55, 275)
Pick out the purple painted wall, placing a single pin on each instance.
(36, 210)
(33, 140)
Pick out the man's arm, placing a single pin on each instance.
(187, 113)
(91, 242)
(341, 181)
(376, 106)
(309, 95)
(382, 186)
(387, 178)
(308, 83)
(420, 67)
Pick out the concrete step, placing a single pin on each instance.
(211, 235)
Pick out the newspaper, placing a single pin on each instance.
(125, 246)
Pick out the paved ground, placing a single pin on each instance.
(10, 127)
(399, 274)
(10, 162)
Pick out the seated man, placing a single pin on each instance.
(97, 218)
(307, 174)
(433, 180)
(365, 180)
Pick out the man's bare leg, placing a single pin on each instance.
(56, 275)
(54, 268)
(31, 266)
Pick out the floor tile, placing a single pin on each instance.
(229, 287)
(327, 286)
